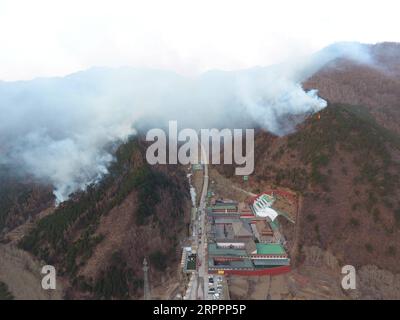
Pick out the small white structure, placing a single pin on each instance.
(267, 212)
(262, 207)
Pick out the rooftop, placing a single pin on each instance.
(226, 220)
(223, 231)
(270, 262)
(213, 249)
(223, 206)
(240, 264)
(241, 229)
(270, 248)
(264, 199)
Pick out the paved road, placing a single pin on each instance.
(202, 281)
(198, 284)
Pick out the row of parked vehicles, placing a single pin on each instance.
(215, 287)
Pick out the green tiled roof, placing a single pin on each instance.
(269, 248)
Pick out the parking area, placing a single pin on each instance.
(216, 288)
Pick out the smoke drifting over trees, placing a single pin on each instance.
(62, 130)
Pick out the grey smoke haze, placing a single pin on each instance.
(60, 129)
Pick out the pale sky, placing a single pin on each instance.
(53, 38)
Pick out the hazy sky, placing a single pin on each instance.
(48, 38)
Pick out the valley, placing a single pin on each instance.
(333, 182)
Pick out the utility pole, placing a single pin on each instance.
(146, 280)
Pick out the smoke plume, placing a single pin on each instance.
(60, 130)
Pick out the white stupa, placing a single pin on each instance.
(267, 212)
(262, 207)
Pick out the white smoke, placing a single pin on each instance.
(60, 129)
(268, 104)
